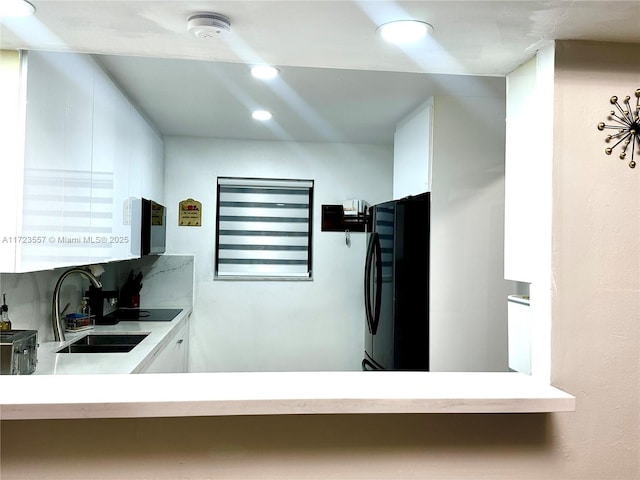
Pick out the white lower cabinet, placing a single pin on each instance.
(172, 357)
(519, 328)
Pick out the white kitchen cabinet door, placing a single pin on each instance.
(57, 180)
(148, 155)
(412, 152)
(113, 174)
(519, 328)
(81, 156)
(12, 155)
(528, 167)
(133, 205)
(520, 169)
(173, 357)
(153, 178)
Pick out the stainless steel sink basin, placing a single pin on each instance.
(105, 343)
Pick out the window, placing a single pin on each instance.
(263, 228)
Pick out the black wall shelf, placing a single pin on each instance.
(334, 220)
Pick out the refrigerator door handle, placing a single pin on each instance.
(378, 293)
(368, 265)
(368, 366)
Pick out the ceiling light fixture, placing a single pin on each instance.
(261, 115)
(208, 25)
(404, 31)
(16, 8)
(264, 72)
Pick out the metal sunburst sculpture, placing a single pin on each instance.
(628, 126)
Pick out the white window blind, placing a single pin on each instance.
(263, 228)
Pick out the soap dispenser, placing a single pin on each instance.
(5, 323)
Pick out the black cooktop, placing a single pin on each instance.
(143, 314)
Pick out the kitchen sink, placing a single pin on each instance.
(105, 343)
(141, 315)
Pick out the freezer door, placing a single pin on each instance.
(384, 338)
(411, 284)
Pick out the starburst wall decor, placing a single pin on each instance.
(627, 123)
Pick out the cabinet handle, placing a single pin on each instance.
(180, 341)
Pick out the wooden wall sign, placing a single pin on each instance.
(190, 213)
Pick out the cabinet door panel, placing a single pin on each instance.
(173, 357)
(57, 164)
(111, 176)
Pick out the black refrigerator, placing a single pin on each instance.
(396, 285)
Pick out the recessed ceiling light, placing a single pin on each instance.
(261, 115)
(16, 8)
(404, 31)
(264, 72)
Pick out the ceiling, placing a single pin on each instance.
(215, 99)
(338, 82)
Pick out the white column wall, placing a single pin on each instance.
(468, 324)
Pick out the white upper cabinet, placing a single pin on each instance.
(11, 156)
(528, 154)
(412, 152)
(113, 190)
(81, 173)
(147, 155)
(56, 211)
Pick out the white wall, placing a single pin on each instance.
(468, 324)
(276, 325)
(412, 152)
(596, 265)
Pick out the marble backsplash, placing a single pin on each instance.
(167, 281)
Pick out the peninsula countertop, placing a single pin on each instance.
(67, 386)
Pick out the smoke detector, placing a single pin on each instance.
(208, 25)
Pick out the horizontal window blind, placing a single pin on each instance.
(264, 228)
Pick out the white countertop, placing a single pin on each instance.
(275, 393)
(52, 363)
(99, 385)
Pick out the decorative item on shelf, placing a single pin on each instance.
(190, 213)
(628, 127)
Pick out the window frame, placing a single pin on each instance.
(269, 183)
